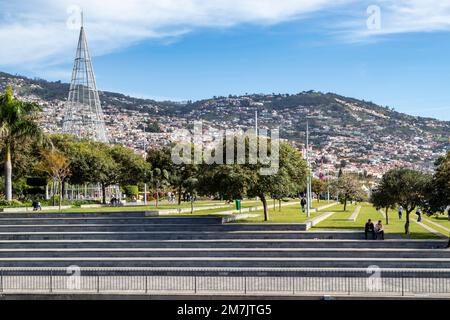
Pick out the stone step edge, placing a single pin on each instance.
(231, 269)
(237, 259)
(399, 250)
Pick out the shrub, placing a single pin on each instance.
(131, 191)
(78, 203)
(12, 203)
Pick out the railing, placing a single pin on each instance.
(373, 282)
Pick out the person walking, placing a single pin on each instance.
(379, 230)
(303, 203)
(419, 214)
(369, 229)
(400, 213)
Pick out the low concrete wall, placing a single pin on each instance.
(237, 217)
(355, 214)
(30, 209)
(165, 212)
(325, 206)
(314, 221)
(85, 206)
(152, 213)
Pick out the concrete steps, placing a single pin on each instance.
(131, 240)
(144, 225)
(225, 253)
(228, 243)
(231, 262)
(20, 217)
(178, 235)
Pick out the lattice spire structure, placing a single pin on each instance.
(83, 116)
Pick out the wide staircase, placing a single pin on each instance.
(131, 240)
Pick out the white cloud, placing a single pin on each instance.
(37, 31)
(401, 16)
(37, 35)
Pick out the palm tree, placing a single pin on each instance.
(16, 124)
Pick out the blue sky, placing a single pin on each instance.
(192, 49)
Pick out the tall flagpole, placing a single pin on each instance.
(328, 186)
(256, 122)
(145, 156)
(308, 178)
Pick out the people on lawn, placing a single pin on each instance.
(400, 213)
(419, 214)
(303, 204)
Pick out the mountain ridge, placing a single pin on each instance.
(342, 128)
(60, 89)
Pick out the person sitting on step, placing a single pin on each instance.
(369, 229)
(379, 230)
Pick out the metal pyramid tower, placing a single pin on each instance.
(83, 113)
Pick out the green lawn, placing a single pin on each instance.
(441, 220)
(293, 214)
(395, 226)
(398, 226)
(339, 219)
(288, 214)
(224, 206)
(209, 212)
(149, 207)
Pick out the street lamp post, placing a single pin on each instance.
(145, 173)
(308, 178)
(256, 123)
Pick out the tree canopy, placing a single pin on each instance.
(439, 188)
(403, 187)
(349, 188)
(16, 126)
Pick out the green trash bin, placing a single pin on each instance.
(238, 204)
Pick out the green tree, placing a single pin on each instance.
(17, 124)
(190, 186)
(281, 189)
(131, 191)
(158, 179)
(227, 182)
(236, 180)
(348, 187)
(96, 162)
(318, 186)
(90, 162)
(405, 187)
(106, 170)
(292, 170)
(178, 173)
(57, 167)
(380, 199)
(115, 165)
(132, 168)
(438, 198)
